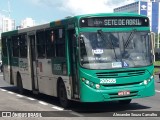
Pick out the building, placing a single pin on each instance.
(150, 8)
(8, 24)
(28, 22)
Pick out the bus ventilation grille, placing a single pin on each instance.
(125, 84)
(118, 74)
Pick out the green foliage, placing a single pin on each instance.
(157, 69)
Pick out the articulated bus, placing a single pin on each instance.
(85, 58)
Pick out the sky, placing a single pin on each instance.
(43, 11)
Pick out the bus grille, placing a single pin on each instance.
(118, 74)
(118, 85)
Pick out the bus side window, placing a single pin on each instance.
(4, 47)
(23, 46)
(60, 43)
(15, 46)
(41, 44)
(50, 43)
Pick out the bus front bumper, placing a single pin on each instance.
(88, 94)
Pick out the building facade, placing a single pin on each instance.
(150, 8)
(7, 24)
(28, 22)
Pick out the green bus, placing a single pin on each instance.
(85, 58)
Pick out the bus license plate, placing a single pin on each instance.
(122, 93)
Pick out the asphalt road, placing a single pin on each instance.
(11, 101)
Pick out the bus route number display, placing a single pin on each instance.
(114, 22)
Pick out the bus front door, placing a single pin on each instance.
(73, 63)
(33, 63)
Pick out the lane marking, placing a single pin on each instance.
(19, 95)
(10, 92)
(43, 103)
(3, 90)
(29, 98)
(76, 114)
(58, 108)
(1, 75)
(157, 91)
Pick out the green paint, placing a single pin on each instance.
(5, 61)
(88, 93)
(59, 66)
(91, 94)
(10, 33)
(15, 62)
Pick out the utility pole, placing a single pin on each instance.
(9, 9)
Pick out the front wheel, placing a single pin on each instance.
(62, 94)
(125, 102)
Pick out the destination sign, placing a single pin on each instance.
(114, 22)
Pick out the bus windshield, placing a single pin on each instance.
(110, 50)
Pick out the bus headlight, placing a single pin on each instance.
(91, 84)
(87, 82)
(97, 86)
(148, 80)
(145, 82)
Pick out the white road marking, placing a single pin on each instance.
(77, 114)
(157, 91)
(1, 75)
(30, 98)
(10, 92)
(58, 108)
(3, 90)
(43, 103)
(19, 95)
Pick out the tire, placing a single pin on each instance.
(125, 102)
(19, 84)
(62, 94)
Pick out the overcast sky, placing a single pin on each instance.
(48, 10)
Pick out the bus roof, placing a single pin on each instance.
(65, 21)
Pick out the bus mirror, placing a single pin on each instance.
(81, 39)
(153, 45)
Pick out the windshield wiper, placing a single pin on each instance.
(100, 32)
(129, 38)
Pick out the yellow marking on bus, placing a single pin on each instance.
(58, 22)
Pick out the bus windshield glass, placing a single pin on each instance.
(111, 50)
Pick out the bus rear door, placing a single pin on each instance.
(7, 61)
(33, 62)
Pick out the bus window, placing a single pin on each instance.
(60, 43)
(41, 44)
(15, 46)
(23, 46)
(50, 43)
(4, 46)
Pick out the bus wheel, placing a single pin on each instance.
(19, 84)
(62, 94)
(125, 102)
